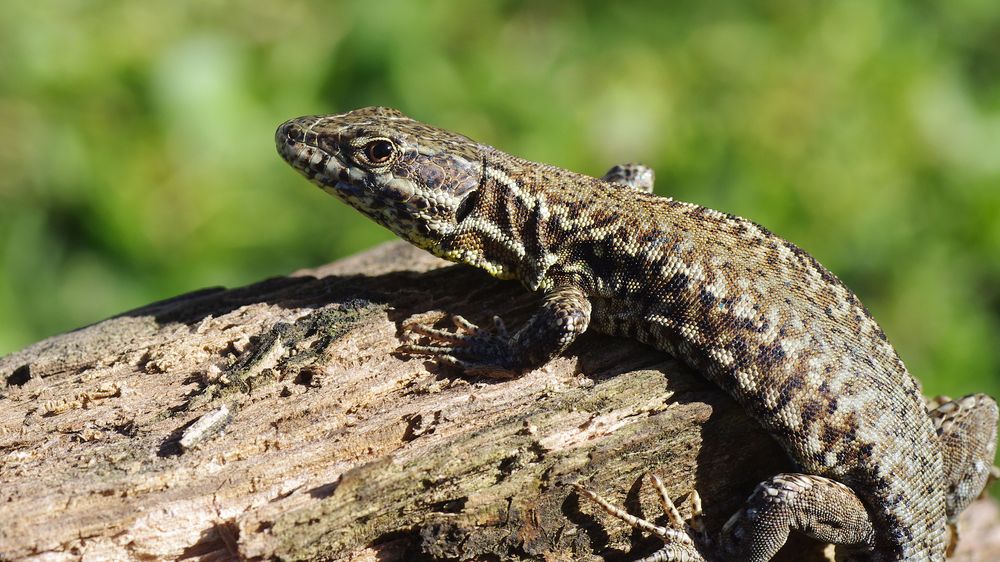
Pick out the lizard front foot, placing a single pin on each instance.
(468, 347)
(683, 540)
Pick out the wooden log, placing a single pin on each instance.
(275, 421)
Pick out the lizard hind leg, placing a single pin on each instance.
(635, 176)
(818, 507)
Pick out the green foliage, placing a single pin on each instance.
(137, 161)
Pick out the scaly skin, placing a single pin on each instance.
(752, 312)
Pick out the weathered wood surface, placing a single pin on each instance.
(348, 451)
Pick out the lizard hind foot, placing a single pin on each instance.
(683, 540)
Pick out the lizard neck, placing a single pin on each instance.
(509, 232)
(536, 222)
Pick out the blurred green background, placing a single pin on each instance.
(137, 161)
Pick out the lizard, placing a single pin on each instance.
(753, 313)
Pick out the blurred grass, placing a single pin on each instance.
(137, 161)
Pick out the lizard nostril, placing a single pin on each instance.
(290, 132)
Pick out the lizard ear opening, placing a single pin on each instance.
(466, 206)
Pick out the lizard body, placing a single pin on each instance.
(752, 312)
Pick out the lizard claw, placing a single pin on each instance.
(683, 540)
(473, 349)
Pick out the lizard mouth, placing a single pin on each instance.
(298, 144)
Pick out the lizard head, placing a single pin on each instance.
(414, 179)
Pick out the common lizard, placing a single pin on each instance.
(750, 311)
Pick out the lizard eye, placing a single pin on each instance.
(379, 151)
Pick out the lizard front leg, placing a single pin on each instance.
(564, 315)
